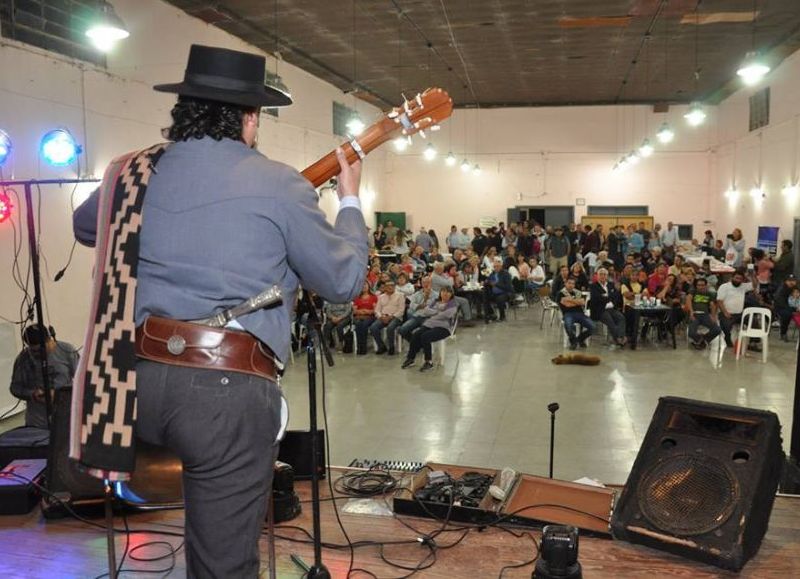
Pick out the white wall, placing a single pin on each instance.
(771, 154)
(552, 156)
(40, 91)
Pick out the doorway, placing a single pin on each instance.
(555, 215)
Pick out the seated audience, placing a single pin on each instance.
(422, 299)
(604, 303)
(363, 317)
(671, 295)
(374, 275)
(571, 302)
(560, 280)
(437, 325)
(404, 287)
(633, 283)
(656, 281)
(418, 260)
(677, 266)
(487, 263)
(389, 313)
(510, 259)
(536, 277)
(730, 301)
(580, 277)
(26, 376)
(434, 255)
(794, 303)
(337, 317)
(497, 291)
(701, 306)
(523, 273)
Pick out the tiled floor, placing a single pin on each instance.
(487, 406)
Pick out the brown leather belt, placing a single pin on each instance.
(185, 344)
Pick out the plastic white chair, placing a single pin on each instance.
(747, 330)
(441, 347)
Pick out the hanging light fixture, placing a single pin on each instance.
(400, 144)
(107, 29)
(665, 134)
(450, 160)
(791, 191)
(633, 158)
(646, 149)
(753, 69)
(465, 166)
(696, 115)
(757, 193)
(430, 152)
(476, 170)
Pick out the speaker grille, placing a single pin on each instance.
(688, 495)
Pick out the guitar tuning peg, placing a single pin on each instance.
(419, 100)
(422, 133)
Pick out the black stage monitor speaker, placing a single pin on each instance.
(295, 450)
(64, 479)
(703, 483)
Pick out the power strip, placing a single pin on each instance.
(394, 465)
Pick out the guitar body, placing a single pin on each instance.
(157, 481)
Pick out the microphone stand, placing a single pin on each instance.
(553, 407)
(318, 569)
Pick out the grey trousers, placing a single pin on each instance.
(223, 426)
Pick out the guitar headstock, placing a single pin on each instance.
(423, 112)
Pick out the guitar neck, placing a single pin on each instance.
(369, 140)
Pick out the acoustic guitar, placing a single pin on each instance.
(156, 483)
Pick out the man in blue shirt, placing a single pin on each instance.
(220, 224)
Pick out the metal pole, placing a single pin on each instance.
(552, 407)
(318, 571)
(37, 300)
(794, 451)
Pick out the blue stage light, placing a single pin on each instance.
(59, 148)
(5, 147)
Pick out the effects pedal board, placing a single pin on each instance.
(392, 465)
(18, 492)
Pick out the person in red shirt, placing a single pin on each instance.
(363, 316)
(657, 279)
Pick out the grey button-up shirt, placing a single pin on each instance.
(221, 223)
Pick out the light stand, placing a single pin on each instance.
(33, 250)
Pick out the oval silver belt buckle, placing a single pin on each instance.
(176, 345)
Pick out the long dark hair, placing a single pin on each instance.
(194, 118)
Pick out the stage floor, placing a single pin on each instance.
(33, 549)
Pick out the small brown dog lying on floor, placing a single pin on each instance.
(578, 359)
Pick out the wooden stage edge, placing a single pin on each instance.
(32, 548)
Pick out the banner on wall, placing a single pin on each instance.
(768, 238)
(486, 222)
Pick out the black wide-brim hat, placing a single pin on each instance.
(227, 76)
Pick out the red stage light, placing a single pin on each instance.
(5, 207)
